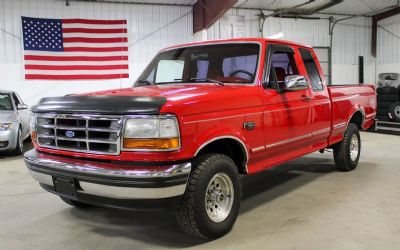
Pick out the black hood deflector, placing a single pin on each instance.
(109, 105)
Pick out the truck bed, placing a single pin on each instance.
(348, 99)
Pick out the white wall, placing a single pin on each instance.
(352, 38)
(388, 49)
(142, 20)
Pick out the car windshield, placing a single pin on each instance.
(5, 102)
(220, 63)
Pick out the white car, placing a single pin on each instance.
(14, 122)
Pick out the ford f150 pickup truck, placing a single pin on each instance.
(198, 117)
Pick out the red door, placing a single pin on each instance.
(287, 116)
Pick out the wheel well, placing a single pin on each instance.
(357, 119)
(229, 147)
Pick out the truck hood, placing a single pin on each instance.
(169, 91)
(7, 116)
(142, 100)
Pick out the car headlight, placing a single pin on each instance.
(156, 133)
(5, 126)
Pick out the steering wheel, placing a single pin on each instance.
(2, 107)
(233, 73)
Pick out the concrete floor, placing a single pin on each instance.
(304, 204)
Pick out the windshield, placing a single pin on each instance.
(5, 102)
(222, 63)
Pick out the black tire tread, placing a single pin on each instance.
(387, 98)
(340, 150)
(387, 91)
(18, 150)
(383, 104)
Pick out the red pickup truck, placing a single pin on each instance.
(199, 116)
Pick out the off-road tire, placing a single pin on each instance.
(191, 214)
(387, 91)
(387, 98)
(75, 203)
(341, 151)
(394, 111)
(382, 112)
(384, 105)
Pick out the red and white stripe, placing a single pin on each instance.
(93, 49)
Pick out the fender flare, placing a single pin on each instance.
(241, 143)
(355, 110)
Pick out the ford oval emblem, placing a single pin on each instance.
(69, 134)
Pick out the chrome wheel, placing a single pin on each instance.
(354, 147)
(219, 197)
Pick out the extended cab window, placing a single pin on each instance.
(227, 63)
(312, 70)
(282, 65)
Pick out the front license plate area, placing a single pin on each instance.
(65, 186)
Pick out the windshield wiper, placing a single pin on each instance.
(207, 79)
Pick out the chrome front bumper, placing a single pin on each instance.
(109, 180)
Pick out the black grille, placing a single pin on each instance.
(90, 134)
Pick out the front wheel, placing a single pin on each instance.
(347, 152)
(211, 202)
(19, 148)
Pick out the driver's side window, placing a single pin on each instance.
(282, 65)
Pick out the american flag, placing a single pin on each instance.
(75, 49)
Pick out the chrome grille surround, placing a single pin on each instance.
(95, 134)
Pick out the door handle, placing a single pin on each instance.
(305, 98)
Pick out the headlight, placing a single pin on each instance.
(32, 122)
(32, 125)
(156, 133)
(5, 126)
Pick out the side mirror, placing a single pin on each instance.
(293, 83)
(22, 106)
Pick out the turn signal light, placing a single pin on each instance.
(33, 136)
(158, 144)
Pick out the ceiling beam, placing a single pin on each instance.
(375, 19)
(207, 12)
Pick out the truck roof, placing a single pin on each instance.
(249, 39)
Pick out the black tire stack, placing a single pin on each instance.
(387, 99)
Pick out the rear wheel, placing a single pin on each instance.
(347, 152)
(211, 202)
(75, 203)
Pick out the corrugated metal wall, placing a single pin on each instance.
(142, 20)
(388, 50)
(352, 37)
